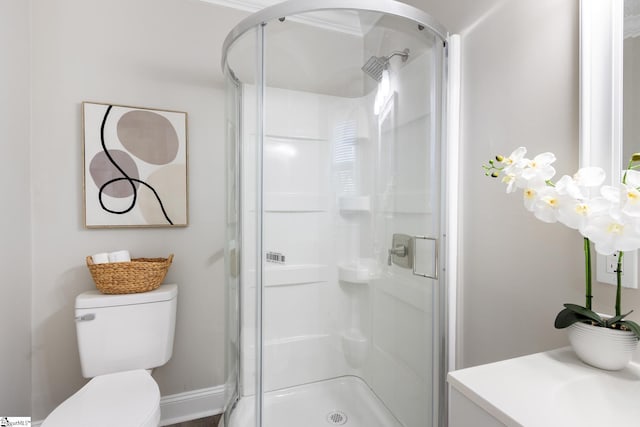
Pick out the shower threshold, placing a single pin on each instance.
(345, 401)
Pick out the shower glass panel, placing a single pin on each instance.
(335, 155)
(242, 163)
(232, 284)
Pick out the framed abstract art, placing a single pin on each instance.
(135, 166)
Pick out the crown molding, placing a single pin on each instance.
(248, 5)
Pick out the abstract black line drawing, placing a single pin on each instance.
(135, 166)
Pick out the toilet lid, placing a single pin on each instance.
(124, 399)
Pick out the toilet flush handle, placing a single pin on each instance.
(85, 317)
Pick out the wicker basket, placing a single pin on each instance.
(138, 275)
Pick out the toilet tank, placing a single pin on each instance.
(125, 332)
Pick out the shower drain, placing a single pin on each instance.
(337, 418)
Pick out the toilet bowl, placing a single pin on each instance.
(124, 399)
(120, 339)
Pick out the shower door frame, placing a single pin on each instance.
(297, 7)
(445, 334)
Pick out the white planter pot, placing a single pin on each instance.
(602, 348)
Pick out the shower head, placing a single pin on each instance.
(377, 64)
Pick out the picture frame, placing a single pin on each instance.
(135, 166)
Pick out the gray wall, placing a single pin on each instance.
(153, 53)
(520, 87)
(15, 249)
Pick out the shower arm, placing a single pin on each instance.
(403, 53)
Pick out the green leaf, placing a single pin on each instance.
(632, 326)
(589, 314)
(610, 322)
(567, 318)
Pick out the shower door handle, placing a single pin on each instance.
(436, 262)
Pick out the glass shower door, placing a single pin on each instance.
(351, 226)
(405, 310)
(242, 135)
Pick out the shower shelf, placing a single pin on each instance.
(361, 271)
(354, 203)
(355, 347)
(279, 275)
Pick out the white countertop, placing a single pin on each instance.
(550, 389)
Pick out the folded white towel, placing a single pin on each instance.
(101, 258)
(120, 256)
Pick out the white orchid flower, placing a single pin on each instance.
(579, 185)
(514, 158)
(632, 178)
(574, 207)
(613, 231)
(575, 213)
(546, 205)
(612, 194)
(539, 168)
(569, 187)
(532, 192)
(632, 201)
(530, 196)
(590, 176)
(625, 196)
(512, 169)
(510, 178)
(611, 221)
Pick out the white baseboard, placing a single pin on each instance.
(190, 405)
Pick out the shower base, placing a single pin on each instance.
(345, 401)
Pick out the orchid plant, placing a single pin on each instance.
(608, 216)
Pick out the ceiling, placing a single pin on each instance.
(455, 15)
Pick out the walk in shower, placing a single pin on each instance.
(335, 216)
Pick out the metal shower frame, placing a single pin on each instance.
(291, 8)
(297, 7)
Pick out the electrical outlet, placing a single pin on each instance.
(612, 263)
(606, 269)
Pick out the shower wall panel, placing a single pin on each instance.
(305, 237)
(329, 170)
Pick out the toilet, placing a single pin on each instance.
(120, 339)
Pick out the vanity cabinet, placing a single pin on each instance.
(546, 389)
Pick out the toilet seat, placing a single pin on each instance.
(123, 399)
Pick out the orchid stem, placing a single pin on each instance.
(619, 282)
(587, 265)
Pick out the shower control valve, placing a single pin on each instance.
(399, 250)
